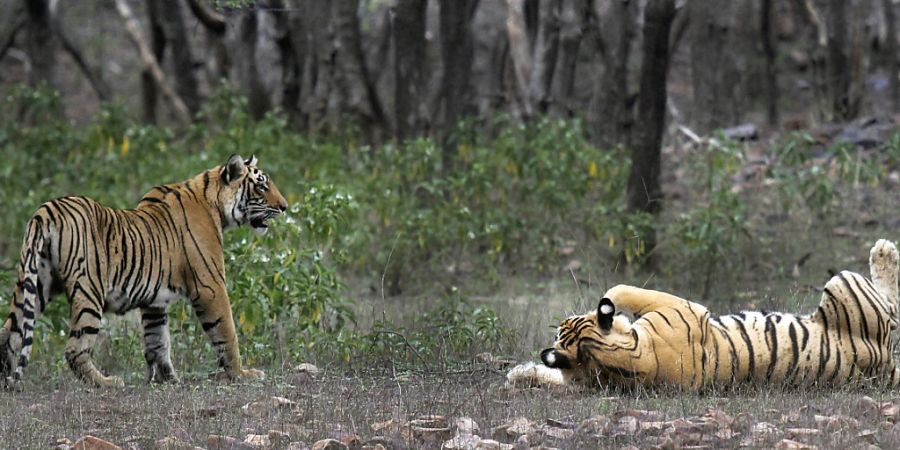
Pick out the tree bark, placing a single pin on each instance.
(173, 27)
(572, 13)
(150, 62)
(644, 192)
(520, 50)
(356, 89)
(769, 52)
(546, 48)
(610, 116)
(408, 33)
(11, 24)
(290, 38)
(457, 49)
(242, 34)
(40, 44)
(890, 49)
(710, 63)
(839, 73)
(158, 46)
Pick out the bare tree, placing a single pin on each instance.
(520, 51)
(644, 192)
(890, 49)
(456, 54)
(572, 14)
(769, 52)
(610, 116)
(712, 70)
(546, 48)
(838, 82)
(13, 21)
(408, 36)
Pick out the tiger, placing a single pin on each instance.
(116, 260)
(675, 342)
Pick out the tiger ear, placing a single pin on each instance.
(233, 169)
(252, 161)
(605, 312)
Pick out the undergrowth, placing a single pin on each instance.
(520, 201)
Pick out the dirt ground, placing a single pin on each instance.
(428, 410)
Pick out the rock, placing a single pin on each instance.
(297, 446)
(216, 442)
(787, 444)
(490, 444)
(373, 447)
(94, 443)
(594, 425)
(329, 444)
(801, 433)
(464, 441)
(557, 433)
(743, 132)
(259, 441)
(625, 426)
(466, 425)
(173, 443)
(866, 436)
(349, 439)
(513, 429)
(261, 407)
(307, 368)
(278, 438)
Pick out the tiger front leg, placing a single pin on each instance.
(83, 329)
(214, 313)
(157, 347)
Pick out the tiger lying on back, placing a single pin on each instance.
(109, 260)
(675, 342)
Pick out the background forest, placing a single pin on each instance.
(462, 175)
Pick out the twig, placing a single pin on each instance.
(210, 18)
(150, 62)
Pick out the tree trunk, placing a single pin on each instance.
(356, 89)
(171, 21)
(546, 48)
(158, 46)
(408, 33)
(572, 14)
(610, 116)
(710, 62)
(40, 44)
(290, 38)
(644, 192)
(242, 34)
(520, 50)
(840, 68)
(765, 30)
(457, 49)
(890, 49)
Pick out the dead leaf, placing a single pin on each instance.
(787, 444)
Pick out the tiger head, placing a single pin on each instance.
(596, 346)
(247, 195)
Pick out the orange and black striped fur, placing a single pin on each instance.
(110, 260)
(673, 341)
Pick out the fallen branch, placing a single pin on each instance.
(150, 62)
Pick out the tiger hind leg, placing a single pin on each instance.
(157, 346)
(84, 327)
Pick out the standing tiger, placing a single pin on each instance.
(676, 342)
(110, 260)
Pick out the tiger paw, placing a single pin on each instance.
(252, 373)
(113, 382)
